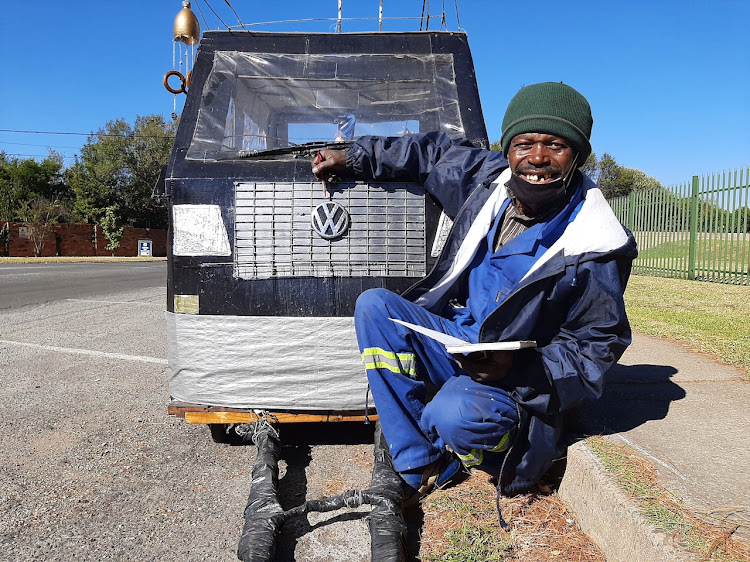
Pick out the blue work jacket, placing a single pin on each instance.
(570, 301)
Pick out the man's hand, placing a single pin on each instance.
(328, 165)
(485, 366)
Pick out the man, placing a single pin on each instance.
(535, 253)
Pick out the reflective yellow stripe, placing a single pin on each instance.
(502, 445)
(472, 459)
(476, 456)
(402, 363)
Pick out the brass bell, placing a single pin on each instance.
(186, 26)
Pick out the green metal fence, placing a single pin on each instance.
(696, 230)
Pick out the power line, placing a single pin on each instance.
(29, 144)
(37, 155)
(82, 134)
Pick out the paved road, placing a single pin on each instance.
(92, 468)
(35, 283)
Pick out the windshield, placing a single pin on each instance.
(256, 102)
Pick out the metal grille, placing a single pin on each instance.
(274, 239)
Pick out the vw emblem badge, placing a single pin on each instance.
(329, 220)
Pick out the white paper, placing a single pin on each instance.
(445, 339)
(457, 345)
(491, 346)
(199, 230)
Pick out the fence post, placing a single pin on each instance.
(693, 228)
(631, 211)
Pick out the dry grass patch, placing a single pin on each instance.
(662, 510)
(461, 525)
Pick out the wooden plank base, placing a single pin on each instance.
(201, 414)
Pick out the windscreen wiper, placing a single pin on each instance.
(307, 149)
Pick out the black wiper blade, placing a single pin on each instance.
(306, 149)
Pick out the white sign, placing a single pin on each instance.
(144, 247)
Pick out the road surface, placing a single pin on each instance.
(92, 467)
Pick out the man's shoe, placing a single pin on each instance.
(446, 471)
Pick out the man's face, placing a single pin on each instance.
(539, 157)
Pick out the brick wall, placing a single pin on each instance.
(74, 239)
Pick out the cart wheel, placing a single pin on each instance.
(224, 433)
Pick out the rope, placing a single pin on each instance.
(202, 16)
(236, 14)
(217, 15)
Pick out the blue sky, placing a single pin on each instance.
(668, 81)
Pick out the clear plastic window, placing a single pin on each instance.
(254, 102)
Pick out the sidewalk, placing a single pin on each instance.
(685, 413)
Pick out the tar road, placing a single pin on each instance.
(91, 465)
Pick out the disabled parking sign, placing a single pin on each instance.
(145, 247)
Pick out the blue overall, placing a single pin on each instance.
(404, 367)
(473, 419)
(569, 301)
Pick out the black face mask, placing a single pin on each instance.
(539, 197)
(536, 197)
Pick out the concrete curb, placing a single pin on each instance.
(609, 517)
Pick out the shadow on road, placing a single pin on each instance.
(633, 395)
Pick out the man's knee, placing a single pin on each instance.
(372, 303)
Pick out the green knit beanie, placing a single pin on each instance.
(553, 108)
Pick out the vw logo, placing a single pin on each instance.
(329, 220)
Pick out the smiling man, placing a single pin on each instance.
(535, 253)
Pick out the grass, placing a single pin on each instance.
(709, 318)
(461, 525)
(723, 258)
(639, 479)
(707, 250)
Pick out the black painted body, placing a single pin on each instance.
(192, 181)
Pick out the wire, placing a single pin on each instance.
(458, 21)
(421, 20)
(44, 145)
(202, 16)
(217, 15)
(83, 134)
(306, 20)
(236, 14)
(37, 155)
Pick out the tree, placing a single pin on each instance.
(40, 214)
(112, 229)
(591, 167)
(24, 180)
(615, 180)
(118, 168)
